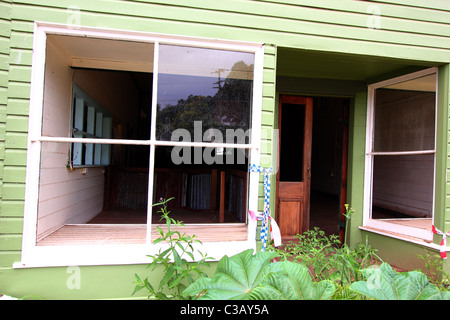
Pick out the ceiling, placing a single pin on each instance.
(426, 83)
(107, 54)
(138, 56)
(325, 65)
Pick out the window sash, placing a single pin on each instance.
(370, 154)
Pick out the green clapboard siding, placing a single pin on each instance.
(8, 227)
(412, 30)
(272, 25)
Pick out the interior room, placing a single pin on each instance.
(327, 156)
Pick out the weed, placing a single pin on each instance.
(178, 272)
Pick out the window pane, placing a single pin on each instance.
(292, 142)
(112, 79)
(405, 117)
(403, 186)
(113, 194)
(203, 192)
(201, 89)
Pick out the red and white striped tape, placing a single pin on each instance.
(275, 233)
(443, 242)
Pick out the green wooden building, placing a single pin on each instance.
(108, 106)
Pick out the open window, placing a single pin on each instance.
(400, 155)
(127, 120)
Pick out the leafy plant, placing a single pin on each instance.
(246, 276)
(326, 258)
(313, 249)
(384, 283)
(435, 270)
(317, 267)
(235, 277)
(178, 272)
(292, 281)
(350, 261)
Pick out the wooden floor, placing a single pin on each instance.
(128, 226)
(95, 234)
(139, 216)
(415, 223)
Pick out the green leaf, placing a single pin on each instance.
(292, 281)
(235, 277)
(167, 276)
(386, 284)
(176, 257)
(191, 255)
(156, 241)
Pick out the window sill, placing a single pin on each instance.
(403, 237)
(128, 246)
(416, 228)
(122, 234)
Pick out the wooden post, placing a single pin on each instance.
(213, 190)
(222, 197)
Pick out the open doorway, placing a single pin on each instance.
(328, 163)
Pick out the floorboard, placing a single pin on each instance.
(95, 234)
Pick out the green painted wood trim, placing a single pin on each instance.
(356, 165)
(442, 192)
(267, 121)
(75, 283)
(399, 253)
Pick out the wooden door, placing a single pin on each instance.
(294, 172)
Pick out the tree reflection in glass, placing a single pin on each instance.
(207, 85)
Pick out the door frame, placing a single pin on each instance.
(344, 172)
(307, 147)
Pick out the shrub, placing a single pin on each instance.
(384, 283)
(246, 276)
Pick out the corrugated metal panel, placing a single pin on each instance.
(236, 196)
(132, 190)
(200, 191)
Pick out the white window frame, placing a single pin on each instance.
(66, 255)
(377, 224)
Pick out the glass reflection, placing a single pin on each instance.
(207, 86)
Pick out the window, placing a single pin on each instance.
(119, 121)
(89, 120)
(401, 155)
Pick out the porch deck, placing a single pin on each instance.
(128, 226)
(97, 234)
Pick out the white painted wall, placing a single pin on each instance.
(65, 195)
